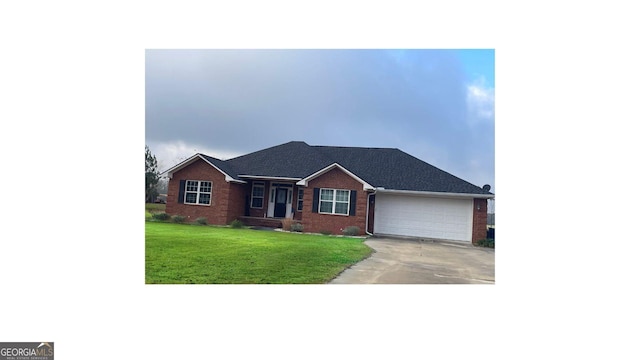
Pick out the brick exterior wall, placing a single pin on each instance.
(227, 199)
(236, 201)
(316, 222)
(479, 231)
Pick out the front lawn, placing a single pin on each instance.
(192, 254)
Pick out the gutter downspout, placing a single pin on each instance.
(366, 223)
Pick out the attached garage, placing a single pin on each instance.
(423, 216)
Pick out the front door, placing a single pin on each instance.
(280, 209)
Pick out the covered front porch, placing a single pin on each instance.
(271, 200)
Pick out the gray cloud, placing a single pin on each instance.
(237, 101)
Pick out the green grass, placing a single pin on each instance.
(150, 209)
(189, 254)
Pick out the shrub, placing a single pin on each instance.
(325, 232)
(351, 231)
(237, 224)
(178, 218)
(297, 227)
(161, 216)
(286, 224)
(490, 243)
(201, 220)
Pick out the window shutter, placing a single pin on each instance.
(181, 191)
(352, 208)
(316, 199)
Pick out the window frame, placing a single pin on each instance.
(253, 186)
(334, 201)
(198, 192)
(300, 199)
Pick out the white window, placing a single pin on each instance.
(257, 195)
(334, 201)
(197, 192)
(300, 196)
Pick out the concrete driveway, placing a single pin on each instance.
(404, 261)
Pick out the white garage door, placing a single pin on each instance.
(425, 217)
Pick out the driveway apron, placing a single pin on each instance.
(405, 261)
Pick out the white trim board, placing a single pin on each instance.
(305, 181)
(189, 161)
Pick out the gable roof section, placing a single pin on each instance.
(381, 168)
(305, 181)
(218, 164)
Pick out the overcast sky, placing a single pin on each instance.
(437, 105)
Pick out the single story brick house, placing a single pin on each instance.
(382, 191)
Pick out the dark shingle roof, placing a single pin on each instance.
(397, 170)
(294, 159)
(380, 167)
(222, 165)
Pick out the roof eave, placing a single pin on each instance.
(189, 161)
(305, 181)
(265, 177)
(169, 172)
(435, 194)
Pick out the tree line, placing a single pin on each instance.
(154, 183)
